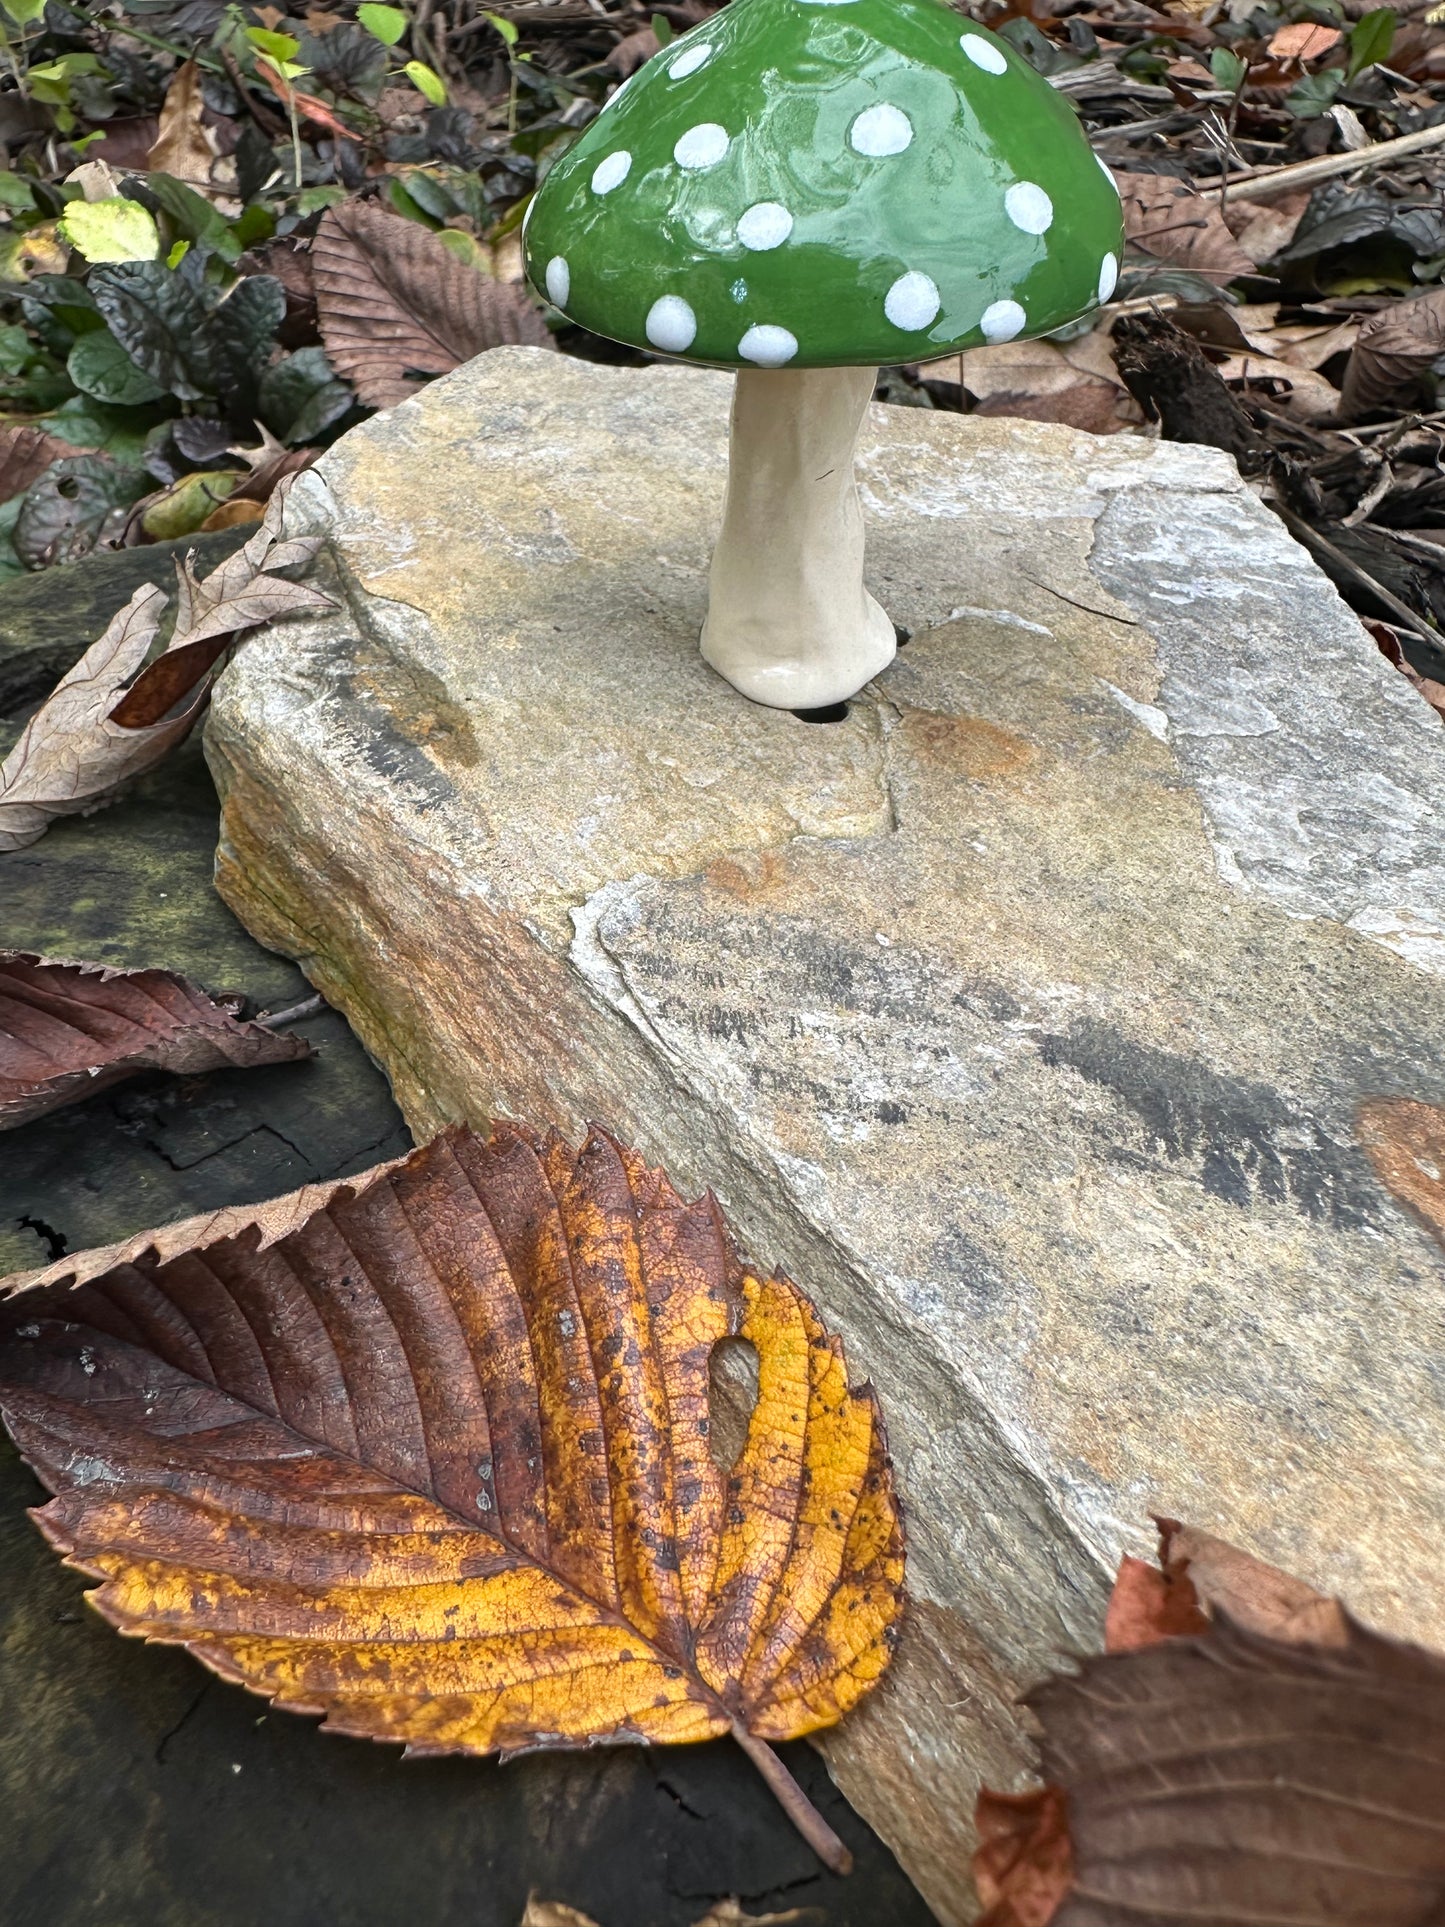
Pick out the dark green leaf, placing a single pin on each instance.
(60, 310)
(254, 224)
(255, 162)
(65, 512)
(301, 397)
(99, 366)
(236, 343)
(1370, 39)
(15, 193)
(1313, 94)
(191, 216)
(157, 315)
(1228, 69)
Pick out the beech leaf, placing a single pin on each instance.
(1170, 219)
(68, 1030)
(114, 716)
(435, 1465)
(1274, 1763)
(182, 148)
(1393, 355)
(396, 307)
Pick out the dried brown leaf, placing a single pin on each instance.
(731, 1913)
(396, 307)
(436, 1464)
(553, 1913)
(1304, 40)
(112, 719)
(1168, 218)
(1148, 1605)
(1393, 355)
(1041, 381)
(68, 1030)
(1024, 1865)
(182, 146)
(1241, 1778)
(25, 454)
(266, 1224)
(634, 50)
(1256, 1596)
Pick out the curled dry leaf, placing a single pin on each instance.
(435, 1464)
(1170, 219)
(396, 307)
(68, 1030)
(182, 146)
(1291, 1768)
(1393, 355)
(111, 719)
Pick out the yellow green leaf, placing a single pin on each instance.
(426, 81)
(114, 229)
(386, 24)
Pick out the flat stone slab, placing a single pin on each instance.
(1051, 1017)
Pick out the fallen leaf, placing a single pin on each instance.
(1297, 392)
(96, 181)
(396, 307)
(1393, 355)
(233, 514)
(25, 454)
(1273, 1762)
(1040, 381)
(265, 1225)
(1241, 1778)
(632, 51)
(1264, 229)
(80, 502)
(731, 1913)
(1258, 1597)
(1148, 1605)
(111, 230)
(182, 147)
(1168, 218)
(1305, 40)
(455, 1488)
(1024, 1865)
(99, 729)
(553, 1913)
(68, 1030)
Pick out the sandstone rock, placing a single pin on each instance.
(1026, 1015)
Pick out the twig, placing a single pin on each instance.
(293, 1013)
(1265, 183)
(1408, 619)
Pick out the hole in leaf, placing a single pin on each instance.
(68, 487)
(732, 1392)
(829, 713)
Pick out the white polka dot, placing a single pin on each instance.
(983, 53)
(701, 147)
(880, 130)
(912, 302)
(766, 225)
(559, 281)
(769, 347)
(1108, 276)
(1001, 320)
(671, 324)
(690, 59)
(612, 172)
(1103, 169)
(1028, 207)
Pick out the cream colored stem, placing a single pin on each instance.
(789, 622)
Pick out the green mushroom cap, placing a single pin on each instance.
(826, 184)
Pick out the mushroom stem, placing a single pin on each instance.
(789, 622)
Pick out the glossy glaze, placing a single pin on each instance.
(823, 183)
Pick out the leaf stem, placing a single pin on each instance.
(794, 1802)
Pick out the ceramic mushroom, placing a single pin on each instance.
(802, 189)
